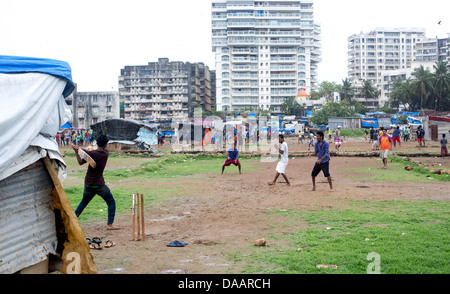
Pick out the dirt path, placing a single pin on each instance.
(220, 216)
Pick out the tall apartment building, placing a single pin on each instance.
(89, 108)
(265, 52)
(431, 49)
(166, 90)
(382, 49)
(371, 55)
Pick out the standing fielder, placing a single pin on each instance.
(281, 166)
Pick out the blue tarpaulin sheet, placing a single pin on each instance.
(18, 64)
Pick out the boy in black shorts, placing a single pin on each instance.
(322, 150)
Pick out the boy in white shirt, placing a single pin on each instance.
(282, 164)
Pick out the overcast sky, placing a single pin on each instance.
(99, 37)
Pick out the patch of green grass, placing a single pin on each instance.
(396, 172)
(176, 165)
(168, 167)
(409, 237)
(97, 209)
(352, 132)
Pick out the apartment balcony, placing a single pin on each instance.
(281, 33)
(240, 15)
(244, 68)
(282, 51)
(232, 41)
(243, 51)
(245, 85)
(245, 93)
(244, 60)
(238, 76)
(283, 59)
(283, 76)
(282, 85)
(241, 101)
(275, 92)
(282, 67)
(278, 16)
(249, 24)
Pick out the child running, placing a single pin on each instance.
(311, 141)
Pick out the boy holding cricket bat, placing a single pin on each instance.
(94, 183)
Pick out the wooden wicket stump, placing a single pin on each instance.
(138, 218)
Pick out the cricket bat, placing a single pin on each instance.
(86, 157)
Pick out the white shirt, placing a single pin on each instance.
(284, 156)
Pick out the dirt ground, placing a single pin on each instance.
(221, 215)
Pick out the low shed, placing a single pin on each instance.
(36, 218)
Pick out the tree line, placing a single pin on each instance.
(425, 89)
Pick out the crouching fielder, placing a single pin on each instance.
(282, 164)
(322, 150)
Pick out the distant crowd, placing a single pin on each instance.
(80, 138)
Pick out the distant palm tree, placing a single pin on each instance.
(424, 83)
(442, 80)
(407, 94)
(368, 90)
(394, 95)
(347, 89)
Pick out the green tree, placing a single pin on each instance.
(290, 106)
(423, 84)
(395, 94)
(347, 89)
(332, 109)
(442, 81)
(368, 90)
(326, 88)
(408, 95)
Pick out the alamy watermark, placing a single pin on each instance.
(214, 134)
(74, 266)
(375, 266)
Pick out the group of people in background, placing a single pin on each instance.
(397, 135)
(72, 137)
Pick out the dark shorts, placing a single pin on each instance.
(232, 161)
(325, 167)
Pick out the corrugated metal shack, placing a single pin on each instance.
(36, 219)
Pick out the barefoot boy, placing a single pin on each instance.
(232, 158)
(385, 146)
(281, 166)
(322, 150)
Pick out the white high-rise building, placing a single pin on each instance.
(266, 51)
(372, 56)
(369, 54)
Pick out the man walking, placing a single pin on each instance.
(444, 151)
(282, 164)
(322, 150)
(385, 147)
(94, 183)
(420, 136)
(396, 136)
